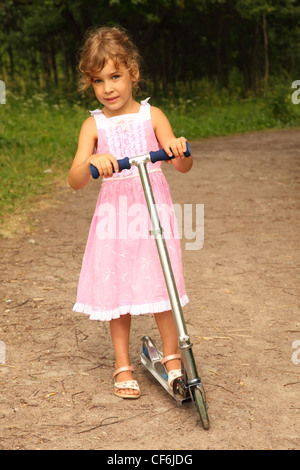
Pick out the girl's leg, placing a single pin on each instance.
(120, 332)
(167, 328)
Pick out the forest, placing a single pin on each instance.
(215, 67)
(233, 43)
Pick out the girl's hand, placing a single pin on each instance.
(169, 142)
(176, 147)
(103, 163)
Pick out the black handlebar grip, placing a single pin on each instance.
(123, 165)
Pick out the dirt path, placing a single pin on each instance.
(243, 316)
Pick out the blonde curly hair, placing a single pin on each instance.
(102, 44)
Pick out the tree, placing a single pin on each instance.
(181, 41)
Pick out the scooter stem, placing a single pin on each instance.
(157, 231)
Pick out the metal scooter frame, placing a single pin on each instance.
(183, 389)
(189, 387)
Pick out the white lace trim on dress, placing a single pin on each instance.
(122, 120)
(108, 315)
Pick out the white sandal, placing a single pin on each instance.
(127, 384)
(173, 374)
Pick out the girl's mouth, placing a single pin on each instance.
(112, 100)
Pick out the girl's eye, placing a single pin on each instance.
(115, 77)
(97, 81)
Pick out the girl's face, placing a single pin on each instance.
(113, 88)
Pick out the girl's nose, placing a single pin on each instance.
(107, 87)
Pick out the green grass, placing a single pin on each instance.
(219, 113)
(38, 139)
(38, 134)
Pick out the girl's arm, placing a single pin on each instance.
(79, 174)
(167, 140)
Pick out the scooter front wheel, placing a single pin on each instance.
(199, 399)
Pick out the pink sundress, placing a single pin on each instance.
(121, 271)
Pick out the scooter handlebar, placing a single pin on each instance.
(157, 156)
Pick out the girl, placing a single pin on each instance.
(121, 274)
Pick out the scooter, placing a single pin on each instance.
(188, 387)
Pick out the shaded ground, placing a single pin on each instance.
(243, 316)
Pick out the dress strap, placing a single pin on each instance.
(99, 118)
(144, 102)
(145, 109)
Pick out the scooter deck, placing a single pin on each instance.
(151, 358)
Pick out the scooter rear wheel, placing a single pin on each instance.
(201, 407)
